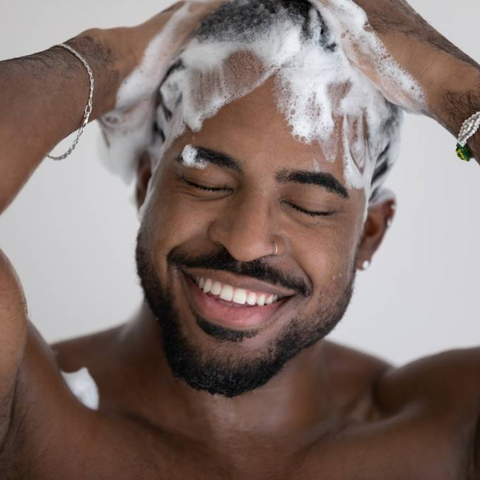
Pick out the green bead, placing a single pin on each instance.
(464, 153)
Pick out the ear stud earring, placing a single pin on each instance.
(365, 265)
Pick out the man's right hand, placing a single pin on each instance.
(143, 54)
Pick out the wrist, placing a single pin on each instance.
(460, 100)
(453, 90)
(106, 51)
(455, 94)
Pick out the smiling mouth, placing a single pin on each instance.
(230, 306)
(235, 296)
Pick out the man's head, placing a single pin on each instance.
(323, 97)
(235, 171)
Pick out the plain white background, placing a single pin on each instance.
(71, 231)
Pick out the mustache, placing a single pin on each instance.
(222, 260)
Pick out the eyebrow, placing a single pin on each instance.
(321, 179)
(216, 158)
(304, 177)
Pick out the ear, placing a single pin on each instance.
(144, 173)
(379, 218)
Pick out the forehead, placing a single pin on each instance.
(253, 131)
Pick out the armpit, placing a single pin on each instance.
(12, 467)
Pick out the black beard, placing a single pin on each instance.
(221, 374)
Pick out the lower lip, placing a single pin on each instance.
(238, 316)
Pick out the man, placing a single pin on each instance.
(247, 254)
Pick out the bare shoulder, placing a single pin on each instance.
(442, 392)
(446, 384)
(449, 379)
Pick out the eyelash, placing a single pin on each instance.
(308, 212)
(291, 205)
(202, 187)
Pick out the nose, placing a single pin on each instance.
(245, 228)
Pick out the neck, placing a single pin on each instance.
(296, 404)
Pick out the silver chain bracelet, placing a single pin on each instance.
(88, 108)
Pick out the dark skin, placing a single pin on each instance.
(332, 413)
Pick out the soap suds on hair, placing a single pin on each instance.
(350, 24)
(128, 130)
(323, 97)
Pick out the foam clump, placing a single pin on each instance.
(190, 158)
(323, 96)
(364, 47)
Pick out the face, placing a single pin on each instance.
(231, 312)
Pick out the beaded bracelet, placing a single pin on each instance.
(469, 128)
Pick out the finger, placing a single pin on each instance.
(173, 8)
(198, 10)
(332, 5)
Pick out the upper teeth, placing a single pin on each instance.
(236, 295)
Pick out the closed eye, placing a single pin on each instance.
(205, 188)
(309, 212)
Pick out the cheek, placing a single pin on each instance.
(328, 257)
(173, 220)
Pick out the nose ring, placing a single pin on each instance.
(276, 248)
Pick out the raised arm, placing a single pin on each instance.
(42, 100)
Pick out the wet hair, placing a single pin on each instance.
(245, 21)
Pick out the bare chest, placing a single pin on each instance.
(123, 450)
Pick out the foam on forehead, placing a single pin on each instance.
(323, 97)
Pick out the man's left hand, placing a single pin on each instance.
(399, 51)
